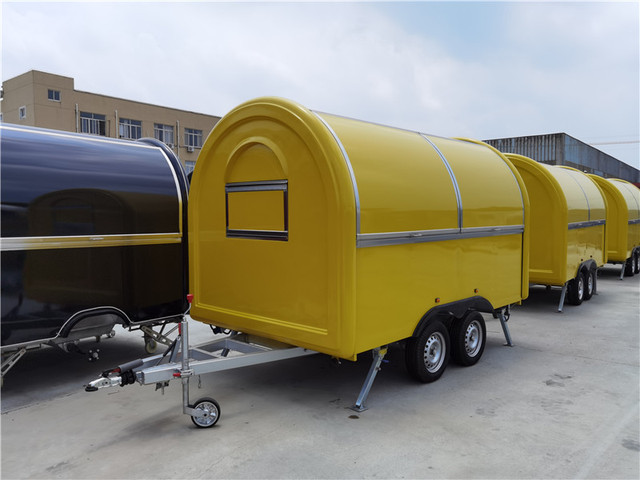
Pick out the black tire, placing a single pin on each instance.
(468, 337)
(427, 355)
(589, 283)
(150, 346)
(575, 290)
(628, 267)
(636, 268)
(212, 413)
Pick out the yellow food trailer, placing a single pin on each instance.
(342, 236)
(623, 223)
(567, 228)
(311, 232)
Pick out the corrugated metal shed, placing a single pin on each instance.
(563, 149)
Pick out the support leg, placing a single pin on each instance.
(185, 373)
(378, 356)
(12, 360)
(622, 270)
(504, 318)
(562, 295)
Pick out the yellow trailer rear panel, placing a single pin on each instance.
(339, 235)
(623, 221)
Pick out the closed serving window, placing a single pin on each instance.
(258, 210)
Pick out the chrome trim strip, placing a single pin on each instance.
(258, 234)
(586, 197)
(349, 167)
(586, 224)
(456, 188)
(424, 236)
(9, 244)
(630, 190)
(261, 186)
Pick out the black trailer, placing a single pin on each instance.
(93, 235)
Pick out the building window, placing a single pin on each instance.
(54, 95)
(130, 129)
(192, 137)
(164, 133)
(93, 123)
(22, 113)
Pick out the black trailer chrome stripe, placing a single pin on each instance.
(349, 167)
(176, 183)
(590, 223)
(424, 236)
(9, 244)
(452, 176)
(79, 136)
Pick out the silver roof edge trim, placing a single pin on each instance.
(349, 167)
(454, 181)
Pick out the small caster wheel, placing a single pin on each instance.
(210, 415)
(150, 346)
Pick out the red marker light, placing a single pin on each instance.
(438, 300)
(189, 297)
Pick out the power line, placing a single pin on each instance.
(615, 143)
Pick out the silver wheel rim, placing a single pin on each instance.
(589, 283)
(434, 351)
(210, 414)
(580, 286)
(473, 338)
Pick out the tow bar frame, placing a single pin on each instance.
(235, 351)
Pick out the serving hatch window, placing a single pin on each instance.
(258, 210)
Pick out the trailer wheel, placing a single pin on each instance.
(468, 337)
(589, 283)
(629, 267)
(150, 345)
(211, 413)
(575, 290)
(428, 354)
(636, 257)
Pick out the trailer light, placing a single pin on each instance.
(189, 297)
(177, 375)
(438, 300)
(475, 290)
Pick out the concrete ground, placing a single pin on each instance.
(562, 403)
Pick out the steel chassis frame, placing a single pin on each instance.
(214, 356)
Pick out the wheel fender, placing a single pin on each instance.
(91, 313)
(447, 312)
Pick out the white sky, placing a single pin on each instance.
(480, 70)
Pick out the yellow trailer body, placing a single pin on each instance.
(339, 235)
(568, 215)
(623, 219)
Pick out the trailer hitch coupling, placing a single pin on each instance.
(103, 382)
